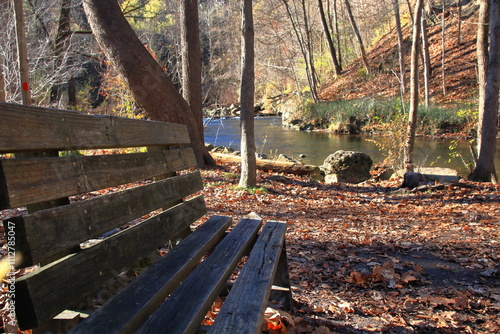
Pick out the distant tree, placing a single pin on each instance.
(152, 89)
(326, 30)
(248, 160)
(304, 44)
(401, 49)
(355, 28)
(488, 114)
(426, 59)
(412, 117)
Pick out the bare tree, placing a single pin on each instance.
(412, 117)
(326, 30)
(488, 115)
(426, 59)
(248, 160)
(305, 50)
(361, 45)
(401, 49)
(152, 89)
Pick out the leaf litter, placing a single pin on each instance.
(374, 258)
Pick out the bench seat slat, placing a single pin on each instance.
(184, 310)
(64, 228)
(38, 301)
(35, 180)
(243, 310)
(132, 306)
(28, 128)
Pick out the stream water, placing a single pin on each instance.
(273, 139)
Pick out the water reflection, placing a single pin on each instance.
(273, 139)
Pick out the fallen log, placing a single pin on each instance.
(270, 165)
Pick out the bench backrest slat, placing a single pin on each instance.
(64, 228)
(29, 128)
(92, 267)
(42, 179)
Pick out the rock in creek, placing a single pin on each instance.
(347, 166)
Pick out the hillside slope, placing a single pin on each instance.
(460, 65)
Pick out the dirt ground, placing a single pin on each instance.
(376, 258)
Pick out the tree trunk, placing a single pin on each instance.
(459, 30)
(401, 50)
(337, 34)
(328, 36)
(300, 39)
(248, 160)
(426, 59)
(488, 115)
(358, 35)
(482, 51)
(153, 91)
(412, 117)
(22, 52)
(191, 59)
(310, 53)
(443, 51)
(60, 46)
(2, 81)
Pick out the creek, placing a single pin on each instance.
(273, 139)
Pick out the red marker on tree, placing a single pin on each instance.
(25, 86)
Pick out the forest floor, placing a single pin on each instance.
(376, 258)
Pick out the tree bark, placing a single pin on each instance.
(153, 91)
(2, 81)
(328, 36)
(191, 59)
(401, 50)
(412, 117)
(482, 51)
(22, 52)
(488, 115)
(426, 59)
(358, 35)
(248, 160)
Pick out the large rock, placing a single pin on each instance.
(347, 166)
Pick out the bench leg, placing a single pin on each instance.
(282, 291)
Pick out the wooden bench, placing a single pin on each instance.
(66, 231)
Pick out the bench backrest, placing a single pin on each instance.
(69, 203)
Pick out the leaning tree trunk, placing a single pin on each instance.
(153, 91)
(488, 115)
(329, 40)
(364, 58)
(248, 160)
(412, 118)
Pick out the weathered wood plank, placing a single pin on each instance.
(243, 310)
(187, 305)
(132, 306)
(27, 181)
(29, 128)
(47, 235)
(43, 294)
